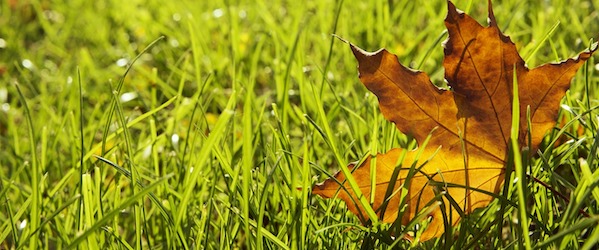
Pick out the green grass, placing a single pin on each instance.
(238, 108)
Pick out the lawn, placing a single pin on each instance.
(204, 124)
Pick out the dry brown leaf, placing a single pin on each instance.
(469, 146)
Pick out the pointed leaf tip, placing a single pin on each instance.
(368, 62)
(492, 21)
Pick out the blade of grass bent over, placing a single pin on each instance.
(35, 173)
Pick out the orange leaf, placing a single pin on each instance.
(467, 152)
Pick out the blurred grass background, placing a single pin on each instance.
(222, 116)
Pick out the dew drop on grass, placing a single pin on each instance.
(125, 97)
(5, 107)
(22, 225)
(122, 62)
(330, 76)
(175, 139)
(596, 66)
(27, 64)
(176, 17)
(516, 180)
(174, 43)
(218, 13)
(2, 43)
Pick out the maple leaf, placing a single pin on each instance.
(465, 158)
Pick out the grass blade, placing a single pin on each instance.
(108, 216)
(36, 205)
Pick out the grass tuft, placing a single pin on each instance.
(203, 125)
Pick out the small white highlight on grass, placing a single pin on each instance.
(22, 225)
(125, 97)
(27, 64)
(165, 203)
(147, 152)
(243, 14)
(122, 62)
(191, 169)
(229, 111)
(174, 43)
(516, 180)
(566, 108)
(3, 95)
(218, 13)
(53, 16)
(330, 76)
(176, 17)
(69, 80)
(175, 139)
(597, 66)
(2, 43)
(5, 107)
(267, 70)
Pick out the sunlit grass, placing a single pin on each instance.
(215, 135)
